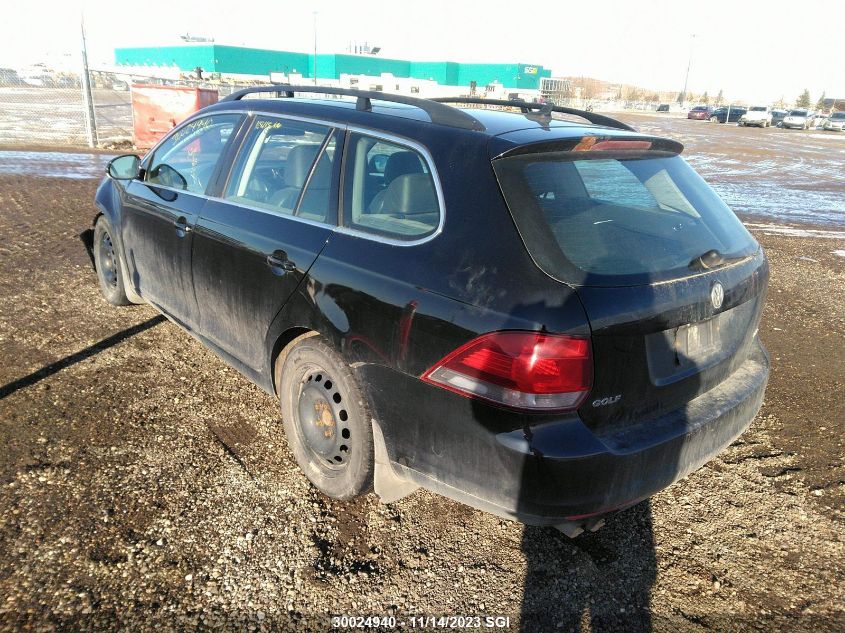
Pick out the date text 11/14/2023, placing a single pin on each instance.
(422, 622)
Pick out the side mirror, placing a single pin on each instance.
(166, 176)
(124, 167)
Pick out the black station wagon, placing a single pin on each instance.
(543, 318)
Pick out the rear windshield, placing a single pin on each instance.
(798, 113)
(619, 221)
(758, 109)
(838, 115)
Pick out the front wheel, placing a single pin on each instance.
(327, 419)
(108, 264)
(714, 119)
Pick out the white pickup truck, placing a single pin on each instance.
(757, 115)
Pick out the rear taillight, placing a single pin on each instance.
(529, 371)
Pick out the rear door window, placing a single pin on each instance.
(618, 220)
(187, 159)
(388, 190)
(276, 162)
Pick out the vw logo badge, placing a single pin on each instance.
(717, 295)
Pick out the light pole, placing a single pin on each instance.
(87, 96)
(686, 79)
(315, 48)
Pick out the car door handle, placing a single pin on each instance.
(182, 226)
(278, 260)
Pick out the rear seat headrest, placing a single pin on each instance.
(401, 163)
(298, 163)
(410, 194)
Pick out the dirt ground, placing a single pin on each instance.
(145, 485)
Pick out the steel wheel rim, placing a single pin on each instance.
(323, 419)
(108, 260)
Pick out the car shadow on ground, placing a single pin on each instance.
(77, 357)
(598, 582)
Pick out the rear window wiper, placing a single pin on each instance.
(713, 259)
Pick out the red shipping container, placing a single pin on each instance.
(158, 109)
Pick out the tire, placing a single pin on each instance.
(327, 419)
(108, 263)
(714, 119)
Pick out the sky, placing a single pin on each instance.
(750, 49)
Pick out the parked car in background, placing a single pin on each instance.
(720, 115)
(594, 343)
(663, 107)
(700, 113)
(757, 115)
(817, 119)
(835, 122)
(778, 116)
(10, 77)
(798, 119)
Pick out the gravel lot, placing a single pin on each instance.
(144, 485)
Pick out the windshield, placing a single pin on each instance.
(838, 115)
(699, 109)
(618, 221)
(798, 113)
(758, 109)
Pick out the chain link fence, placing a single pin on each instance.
(51, 109)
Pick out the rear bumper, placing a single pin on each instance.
(559, 470)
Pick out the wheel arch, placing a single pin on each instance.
(282, 346)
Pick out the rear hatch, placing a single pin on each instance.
(671, 281)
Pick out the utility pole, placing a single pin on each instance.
(315, 48)
(87, 96)
(686, 79)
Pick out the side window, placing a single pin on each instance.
(186, 160)
(275, 164)
(388, 190)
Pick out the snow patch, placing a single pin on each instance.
(781, 229)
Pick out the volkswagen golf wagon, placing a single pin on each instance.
(546, 319)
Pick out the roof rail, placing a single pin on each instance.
(437, 112)
(544, 110)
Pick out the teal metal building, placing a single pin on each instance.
(236, 60)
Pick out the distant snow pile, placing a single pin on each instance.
(782, 229)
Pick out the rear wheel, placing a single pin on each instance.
(326, 419)
(108, 264)
(714, 119)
